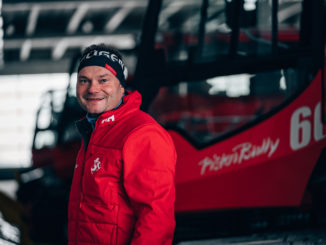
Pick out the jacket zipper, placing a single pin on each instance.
(81, 180)
(81, 195)
(81, 186)
(81, 183)
(83, 170)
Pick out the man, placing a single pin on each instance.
(123, 186)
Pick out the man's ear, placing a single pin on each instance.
(123, 89)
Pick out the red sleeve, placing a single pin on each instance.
(149, 167)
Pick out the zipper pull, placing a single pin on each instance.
(81, 200)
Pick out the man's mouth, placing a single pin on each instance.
(94, 99)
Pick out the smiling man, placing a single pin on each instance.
(98, 90)
(123, 186)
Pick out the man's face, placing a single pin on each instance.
(98, 90)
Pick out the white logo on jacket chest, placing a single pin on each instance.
(109, 119)
(97, 165)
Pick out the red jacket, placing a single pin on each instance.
(123, 188)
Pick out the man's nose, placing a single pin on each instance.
(93, 87)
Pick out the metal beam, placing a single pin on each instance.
(59, 49)
(32, 20)
(36, 67)
(121, 41)
(49, 66)
(166, 13)
(77, 18)
(25, 50)
(288, 12)
(66, 5)
(118, 18)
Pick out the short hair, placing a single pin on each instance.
(102, 47)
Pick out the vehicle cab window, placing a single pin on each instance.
(248, 45)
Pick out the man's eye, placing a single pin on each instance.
(83, 81)
(103, 80)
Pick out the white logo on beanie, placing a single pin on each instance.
(125, 72)
(110, 56)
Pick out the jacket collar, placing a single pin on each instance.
(131, 102)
